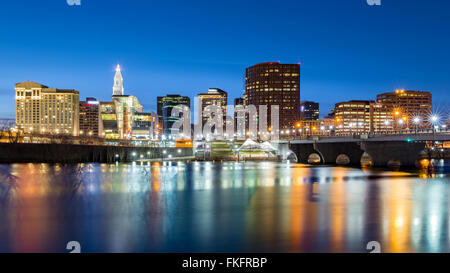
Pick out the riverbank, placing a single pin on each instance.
(71, 153)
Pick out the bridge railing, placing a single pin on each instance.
(366, 135)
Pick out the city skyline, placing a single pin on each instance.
(335, 65)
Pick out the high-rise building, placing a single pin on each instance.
(109, 120)
(275, 84)
(145, 126)
(239, 122)
(309, 110)
(363, 117)
(90, 118)
(44, 110)
(215, 97)
(165, 105)
(409, 105)
(118, 83)
(126, 107)
(238, 101)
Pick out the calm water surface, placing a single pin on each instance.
(230, 207)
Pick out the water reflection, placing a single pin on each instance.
(228, 207)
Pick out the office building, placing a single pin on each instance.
(275, 84)
(126, 106)
(165, 105)
(145, 126)
(408, 105)
(109, 120)
(90, 118)
(216, 97)
(309, 110)
(363, 117)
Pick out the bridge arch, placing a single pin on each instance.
(315, 158)
(342, 159)
(393, 153)
(366, 160)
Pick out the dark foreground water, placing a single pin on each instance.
(230, 207)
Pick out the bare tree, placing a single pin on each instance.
(7, 131)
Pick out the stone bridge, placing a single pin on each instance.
(382, 151)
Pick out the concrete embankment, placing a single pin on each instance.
(69, 153)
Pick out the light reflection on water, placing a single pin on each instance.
(228, 207)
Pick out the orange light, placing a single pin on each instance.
(298, 125)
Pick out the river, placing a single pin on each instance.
(221, 207)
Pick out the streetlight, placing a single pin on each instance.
(386, 124)
(434, 121)
(416, 121)
(400, 122)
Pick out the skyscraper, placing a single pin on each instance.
(125, 107)
(109, 120)
(275, 84)
(309, 110)
(239, 122)
(118, 83)
(215, 96)
(145, 126)
(90, 119)
(40, 109)
(165, 105)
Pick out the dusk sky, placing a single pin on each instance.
(348, 49)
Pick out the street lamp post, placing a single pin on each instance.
(400, 122)
(416, 122)
(434, 121)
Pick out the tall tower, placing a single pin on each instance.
(118, 83)
(275, 84)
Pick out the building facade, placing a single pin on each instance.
(90, 118)
(408, 106)
(126, 106)
(309, 110)
(165, 106)
(44, 110)
(109, 120)
(145, 126)
(216, 97)
(363, 117)
(275, 84)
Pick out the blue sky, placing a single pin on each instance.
(348, 49)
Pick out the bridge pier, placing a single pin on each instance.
(303, 151)
(382, 152)
(331, 151)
